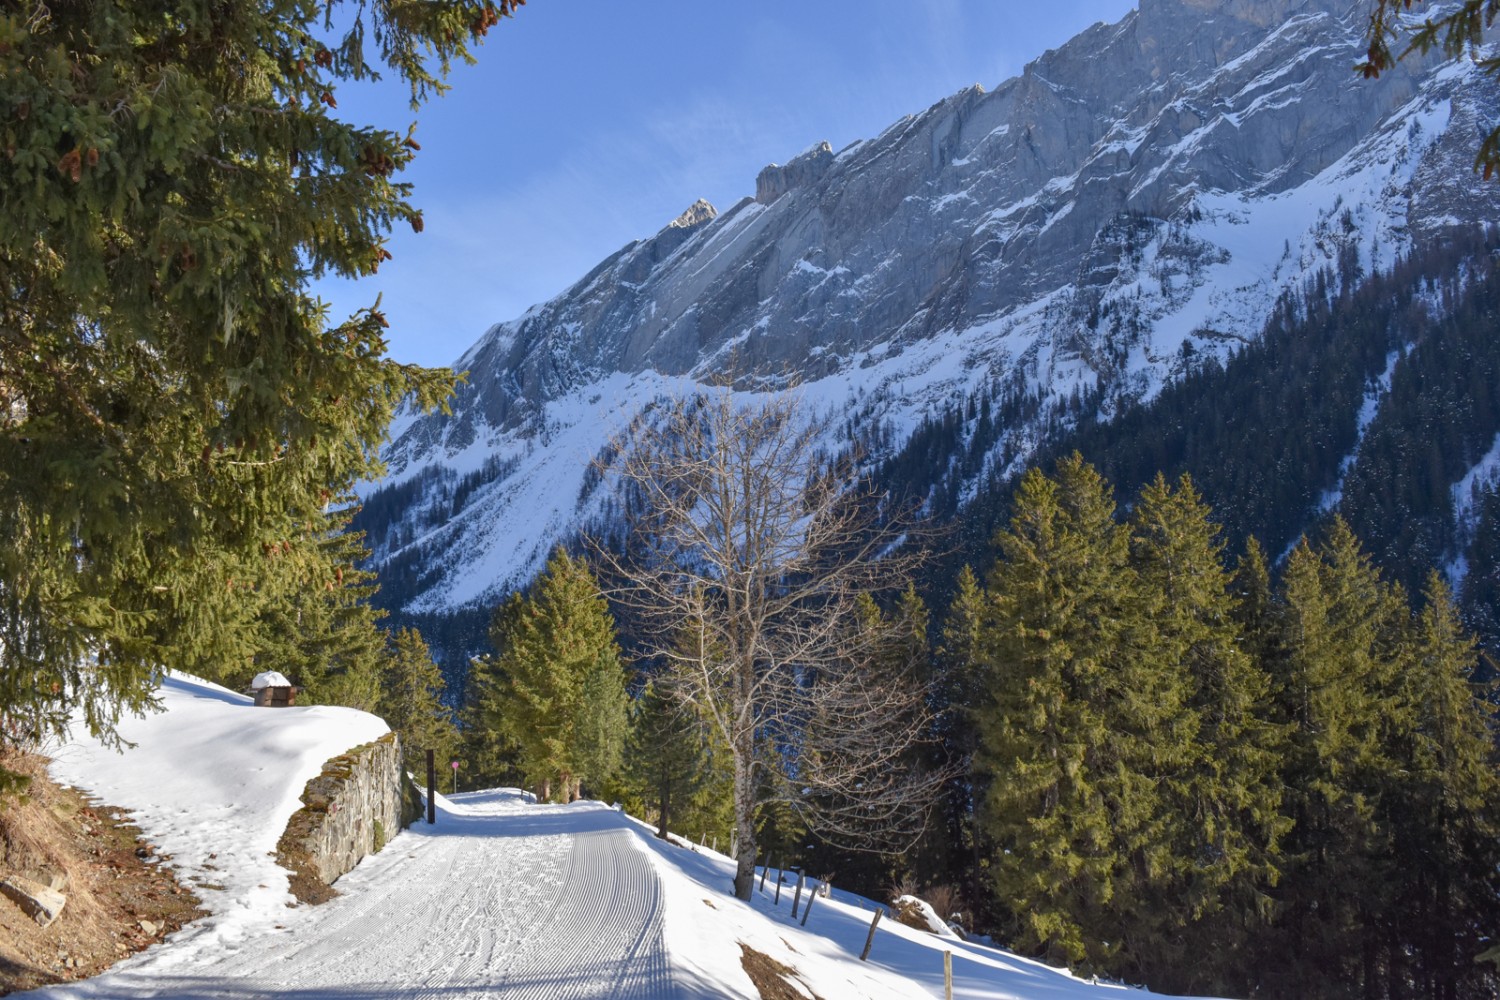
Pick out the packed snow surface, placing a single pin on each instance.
(500, 898)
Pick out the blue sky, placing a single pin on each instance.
(589, 123)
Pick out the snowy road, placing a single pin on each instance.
(500, 899)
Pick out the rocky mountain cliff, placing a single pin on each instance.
(1134, 202)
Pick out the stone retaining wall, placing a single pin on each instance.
(360, 801)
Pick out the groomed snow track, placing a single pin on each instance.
(499, 900)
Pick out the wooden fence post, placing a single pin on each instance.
(947, 975)
(812, 894)
(870, 938)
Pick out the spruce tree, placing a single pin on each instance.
(489, 759)
(1339, 693)
(603, 721)
(1254, 607)
(548, 643)
(663, 759)
(411, 702)
(673, 767)
(1445, 815)
(176, 404)
(1063, 806)
(958, 691)
(316, 624)
(1199, 911)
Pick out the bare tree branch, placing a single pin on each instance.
(748, 553)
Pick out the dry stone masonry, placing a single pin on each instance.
(361, 799)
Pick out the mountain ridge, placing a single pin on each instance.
(1132, 202)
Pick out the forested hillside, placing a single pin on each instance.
(1378, 400)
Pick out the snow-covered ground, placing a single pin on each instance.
(501, 898)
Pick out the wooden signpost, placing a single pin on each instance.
(431, 787)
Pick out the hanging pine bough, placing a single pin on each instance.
(176, 410)
(1457, 31)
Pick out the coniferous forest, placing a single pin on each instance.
(1159, 761)
(1224, 734)
(1189, 688)
(1190, 775)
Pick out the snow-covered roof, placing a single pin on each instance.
(269, 679)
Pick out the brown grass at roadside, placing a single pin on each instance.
(118, 903)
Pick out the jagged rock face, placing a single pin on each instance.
(1151, 183)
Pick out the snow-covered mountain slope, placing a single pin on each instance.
(501, 897)
(1137, 198)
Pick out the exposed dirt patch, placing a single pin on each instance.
(306, 886)
(773, 981)
(119, 902)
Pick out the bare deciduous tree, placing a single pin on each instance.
(749, 553)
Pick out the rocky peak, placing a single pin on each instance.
(697, 213)
(1145, 191)
(803, 169)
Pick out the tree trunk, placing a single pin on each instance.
(666, 807)
(544, 790)
(744, 824)
(577, 790)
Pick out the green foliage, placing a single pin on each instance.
(1447, 812)
(174, 406)
(1220, 798)
(674, 768)
(554, 689)
(958, 692)
(488, 759)
(1390, 756)
(602, 720)
(1062, 798)
(411, 702)
(315, 623)
(1199, 780)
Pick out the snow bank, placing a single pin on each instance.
(212, 781)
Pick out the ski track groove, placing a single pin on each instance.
(564, 905)
(609, 942)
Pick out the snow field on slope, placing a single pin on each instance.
(1269, 242)
(704, 924)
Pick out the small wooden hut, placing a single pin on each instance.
(271, 689)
